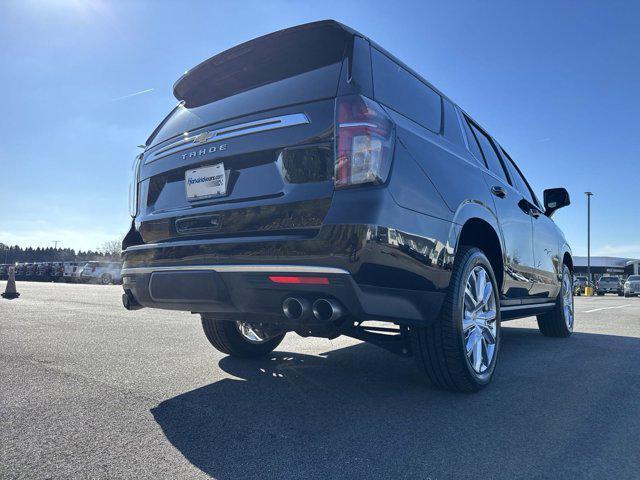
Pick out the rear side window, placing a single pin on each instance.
(473, 143)
(488, 151)
(451, 125)
(402, 91)
(520, 183)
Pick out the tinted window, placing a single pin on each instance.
(397, 88)
(451, 125)
(473, 143)
(295, 66)
(489, 152)
(262, 61)
(520, 182)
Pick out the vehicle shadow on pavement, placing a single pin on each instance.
(557, 408)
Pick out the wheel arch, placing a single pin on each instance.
(482, 233)
(567, 260)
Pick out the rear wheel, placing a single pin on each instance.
(559, 321)
(106, 279)
(241, 339)
(459, 350)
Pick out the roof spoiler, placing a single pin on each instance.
(185, 88)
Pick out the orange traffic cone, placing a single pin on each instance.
(10, 292)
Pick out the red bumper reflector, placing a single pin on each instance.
(300, 280)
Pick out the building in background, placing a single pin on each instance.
(620, 267)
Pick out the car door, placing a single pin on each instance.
(514, 220)
(546, 237)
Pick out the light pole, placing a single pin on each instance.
(589, 195)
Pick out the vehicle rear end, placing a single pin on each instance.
(57, 271)
(87, 272)
(607, 285)
(267, 182)
(632, 286)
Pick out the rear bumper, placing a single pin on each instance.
(375, 272)
(245, 291)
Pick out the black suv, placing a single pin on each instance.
(309, 181)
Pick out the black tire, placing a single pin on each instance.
(106, 279)
(226, 338)
(439, 348)
(553, 324)
(601, 294)
(626, 295)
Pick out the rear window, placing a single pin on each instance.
(283, 68)
(405, 93)
(264, 60)
(633, 278)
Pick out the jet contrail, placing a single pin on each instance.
(133, 94)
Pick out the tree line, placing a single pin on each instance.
(16, 254)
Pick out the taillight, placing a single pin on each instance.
(300, 280)
(364, 142)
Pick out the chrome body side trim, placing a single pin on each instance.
(206, 137)
(238, 268)
(527, 306)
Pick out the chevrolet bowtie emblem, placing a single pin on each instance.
(202, 137)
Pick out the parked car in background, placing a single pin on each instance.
(30, 271)
(20, 271)
(101, 272)
(607, 284)
(621, 286)
(71, 271)
(309, 181)
(579, 284)
(4, 271)
(632, 286)
(44, 271)
(57, 271)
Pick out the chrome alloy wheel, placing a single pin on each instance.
(255, 334)
(567, 299)
(479, 327)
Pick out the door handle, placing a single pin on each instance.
(498, 191)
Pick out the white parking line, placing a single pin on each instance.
(606, 308)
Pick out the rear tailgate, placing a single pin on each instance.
(263, 113)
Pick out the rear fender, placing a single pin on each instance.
(475, 209)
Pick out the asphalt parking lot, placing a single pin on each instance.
(90, 390)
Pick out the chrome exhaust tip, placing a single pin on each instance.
(295, 308)
(129, 302)
(327, 310)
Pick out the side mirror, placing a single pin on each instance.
(555, 198)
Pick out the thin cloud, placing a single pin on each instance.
(545, 139)
(133, 94)
(630, 250)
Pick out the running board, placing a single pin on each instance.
(511, 312)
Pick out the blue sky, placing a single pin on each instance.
(556, 82)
